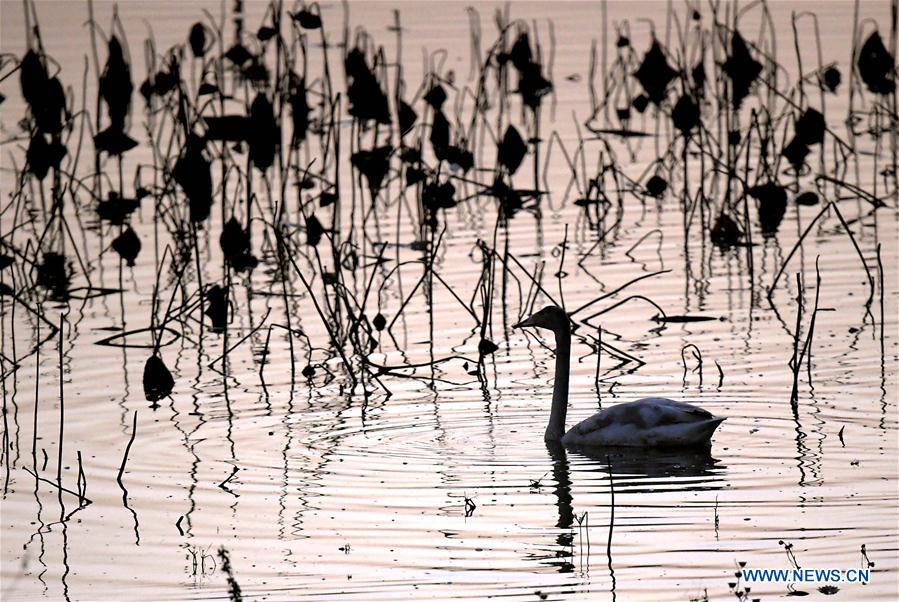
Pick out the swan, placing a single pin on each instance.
(650, 422)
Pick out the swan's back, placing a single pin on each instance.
(650, 422)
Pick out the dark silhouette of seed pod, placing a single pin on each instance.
(407, 116)
(52, 269)
(41, 155)
(512, 150)
(127, 245)
(299, 107)
(314, 231)
(831, 78)
(57, 151)
(245, 262)
(44, 95)
(509, 199)
(487, 347)
(520, 55)
(373, 164)
(795, 152)
(54, 274)
(164, 82)
(114, 141)
(640, 102)
(146, 90)
(436, 196)
(308, 371)
(229, 128)
(656, 186)
(587, 202)
(533, 86)
(48, 115)
(265, 33)
(367, 99)
(414, 175)
(197, 40)
(741, 68)
(354, 64)
(685, 115)
(6, 261)
(206, 89)
(326, 199)
(379, 322)
(459, 157)
(235, 244)
(115, 210)
(435, 97)
(264, 133)
(410, 155)
(654, 73)
(158, 381)
(772, 203)
(256, 71)
(233, 240)
(810, 127)
(440, 135)
(307, 20)
(238, 55)
(807, 199)
(33, 79)
(216, 307)
(192, 173)
(115, 84)
(725, 233)
(876, 65)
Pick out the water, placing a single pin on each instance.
(445, 489)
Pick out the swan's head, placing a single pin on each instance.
(550, 317)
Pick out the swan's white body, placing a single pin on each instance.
(651, 422)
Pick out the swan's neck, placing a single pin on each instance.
(556, 427)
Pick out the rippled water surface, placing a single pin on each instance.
(446, 489)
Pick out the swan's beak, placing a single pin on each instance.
(525, 323)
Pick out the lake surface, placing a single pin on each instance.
(445, 489)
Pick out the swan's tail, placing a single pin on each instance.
(707, 427)
(696, 433)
